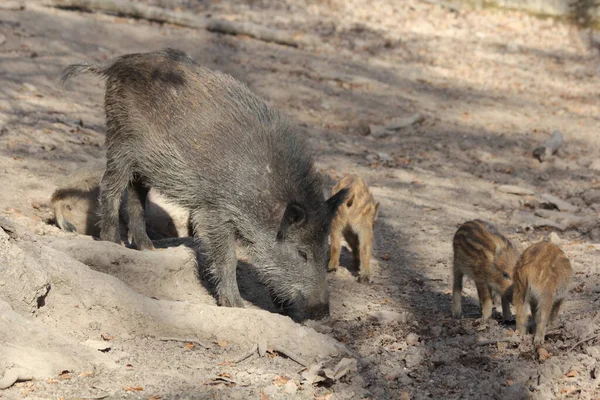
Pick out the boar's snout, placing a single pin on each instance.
(302, 307)
(301, 313)
(314, 306)
(318, 311)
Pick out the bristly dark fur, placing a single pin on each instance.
(206, 142)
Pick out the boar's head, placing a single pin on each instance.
(297, 274)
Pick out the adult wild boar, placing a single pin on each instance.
(210, 145)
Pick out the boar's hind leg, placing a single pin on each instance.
(114, 181)
(137, 193)
(220, 252)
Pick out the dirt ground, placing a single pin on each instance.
(84, 318)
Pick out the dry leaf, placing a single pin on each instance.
(263, 396)
(342, 368)
(86, 373)
(543, 354)
(324, 397)
(280, 380)
(571, 374)
(222, 343)
(133, 389)
(52, 381)
(311, 375)
(156, 397)
(509, 382)
(225, 375)
(189, 346)
(386, 257)
(106, 337)
(568, 389)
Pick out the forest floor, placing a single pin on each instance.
(488, 87)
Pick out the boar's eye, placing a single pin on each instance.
(303, 254)
(505, 275)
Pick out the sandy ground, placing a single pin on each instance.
(490, 87)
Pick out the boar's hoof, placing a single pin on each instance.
(145, 245)
(231, 301)
(364, 278)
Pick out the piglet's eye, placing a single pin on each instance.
(303, 254)
(505, 275)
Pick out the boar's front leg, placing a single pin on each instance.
(219, 239)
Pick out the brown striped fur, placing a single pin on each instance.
(354, 222)
(542, 275)
(77, 209)
(485, 255)
(75, 203)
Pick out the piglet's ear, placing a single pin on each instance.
(294, 216)
(334, 202)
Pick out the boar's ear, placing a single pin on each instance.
(294, 215)
(334, 202)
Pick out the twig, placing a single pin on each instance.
(290, 355)
(495, 341)
(443, 4)
(13, 375)
(151, 13)
(246, 355)
(186, 340)
(216, 379)
(582, 341)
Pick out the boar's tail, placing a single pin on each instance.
(78, 69)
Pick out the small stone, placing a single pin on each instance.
(412, 339)
(554, 238)
(392, 377)
(405, 396)
(377, 130)
(2, 39)
(35, 205)
(385, 157)
(363, 128)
